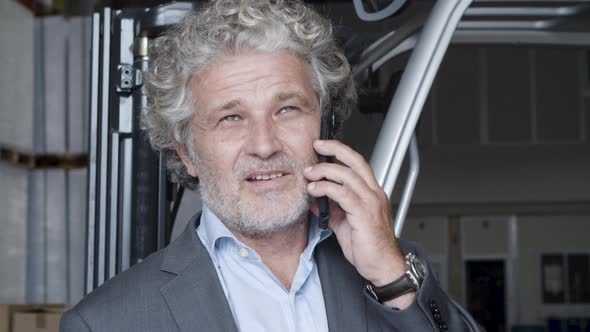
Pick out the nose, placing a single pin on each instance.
(263, 141)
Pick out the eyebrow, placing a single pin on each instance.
(282, 96)
(229, 105)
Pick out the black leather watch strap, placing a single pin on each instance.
(392, 290)
(409, 281)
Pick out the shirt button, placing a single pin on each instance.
(244, 252)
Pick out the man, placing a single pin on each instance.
(237, 93)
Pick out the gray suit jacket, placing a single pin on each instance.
(177, 289)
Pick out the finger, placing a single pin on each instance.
(348, 157)
(339, 174)
(346, 198)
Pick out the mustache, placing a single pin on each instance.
(280, 162)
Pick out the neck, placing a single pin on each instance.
(281, 250)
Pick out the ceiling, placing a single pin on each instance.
(528, 22)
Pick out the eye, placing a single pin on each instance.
(287, 109)
(231, 118)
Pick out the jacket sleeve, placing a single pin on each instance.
(71, 321)
(432, 309)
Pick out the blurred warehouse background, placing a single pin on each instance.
(502, 202)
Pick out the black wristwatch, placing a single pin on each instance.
(409, 281)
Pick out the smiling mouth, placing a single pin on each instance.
(266, 177)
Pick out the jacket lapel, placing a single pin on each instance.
(342, 287)
(196, 298)
(195, 295)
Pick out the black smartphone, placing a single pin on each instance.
(326, 132)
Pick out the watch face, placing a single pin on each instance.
(418, 268)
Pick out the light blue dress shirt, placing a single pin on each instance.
(258, 301)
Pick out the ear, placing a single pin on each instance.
(186, 160)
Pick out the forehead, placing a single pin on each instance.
(251, 75)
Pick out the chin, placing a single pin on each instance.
(262, 216)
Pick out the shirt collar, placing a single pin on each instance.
(211, 229)
(315, 235)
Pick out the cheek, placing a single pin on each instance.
(312, 132)
(306, 128)
(215, 153)
(216, 142)
(204, 152)
(301, 140)
(227, 152)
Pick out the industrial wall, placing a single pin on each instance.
(516, 187)
(488, 237)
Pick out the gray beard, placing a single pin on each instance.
(271, 213)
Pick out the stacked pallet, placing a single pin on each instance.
(43, 129)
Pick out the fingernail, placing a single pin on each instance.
(311, 186)
(319, 142)
(307, 169)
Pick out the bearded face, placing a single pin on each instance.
(256, 118)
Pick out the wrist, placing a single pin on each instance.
(389, 273)
(409, 282)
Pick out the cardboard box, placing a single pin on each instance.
(30, 317)
(36, 322)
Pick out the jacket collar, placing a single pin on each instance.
(196, 298)
(195, 295)
(343, 289)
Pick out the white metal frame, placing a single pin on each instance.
(521, 37)
(406, 106)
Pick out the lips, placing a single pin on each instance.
(265, 176)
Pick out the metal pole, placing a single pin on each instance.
(92, 154)
(404, 204)
(145, 170)
(413, 89)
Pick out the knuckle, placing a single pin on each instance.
(358, 158)
(347, 192)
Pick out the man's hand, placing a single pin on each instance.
(362, 218)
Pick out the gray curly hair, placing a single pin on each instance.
(224, 27)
